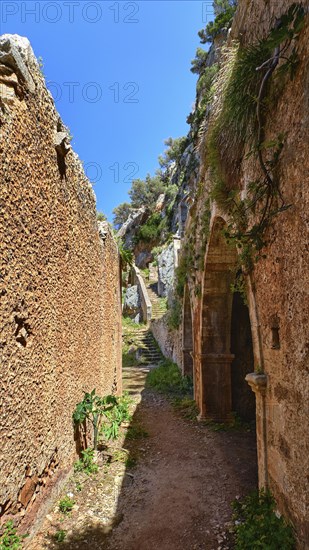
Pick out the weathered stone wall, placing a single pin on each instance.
(170, 342)
(280, 290)
(60, 327)
(277, 292)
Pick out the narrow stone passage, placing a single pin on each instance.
(173, 492)
(182, 487)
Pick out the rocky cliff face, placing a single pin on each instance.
(59, 287)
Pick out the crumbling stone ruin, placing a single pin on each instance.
(241, 212)
(60, 327)
(259, 334)
(230, 247)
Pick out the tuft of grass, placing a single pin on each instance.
(127, 322)
(66, 504)
(257, 526)
(237, 92)
(163, 303)
(120, 455)
(136, 432)
(60, 535)
(85, 463)
(128, 359)
(187, 407)
(168, 379)
(237, 424)
(130, 462)
(145, 272)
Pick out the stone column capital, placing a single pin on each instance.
(257, 382)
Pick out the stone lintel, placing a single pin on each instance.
(257, 382)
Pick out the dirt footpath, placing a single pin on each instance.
(176, 496)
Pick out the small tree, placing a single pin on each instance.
(94, 409)
(121, 214)
(199, 62)
(101, 217)
(224, 11)
(175, 148)
(146, 192)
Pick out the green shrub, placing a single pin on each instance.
(125, 254)
(105, 414)
(101, 217)
(8, 537)
(174, 151)
(127, 322)
(168, 379)
(66, 504)
(96, 410)
(257, 527)
(128, 358)
(182, 272)
(174, 315)
(115, 416)
(187, 407)
(60, 535)
(145, 272)
(151, 230)
(85, 463)
(198, 64)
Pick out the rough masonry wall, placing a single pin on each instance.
(278, 293)
(170, 341)
(59, 288)
(280, 284)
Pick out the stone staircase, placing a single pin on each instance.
(148, 350)
(158, 304)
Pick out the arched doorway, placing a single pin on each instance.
(187, 335)
(243, 400)
(226, 346)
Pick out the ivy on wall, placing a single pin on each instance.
(248, 81)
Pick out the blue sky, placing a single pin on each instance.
(119, 72)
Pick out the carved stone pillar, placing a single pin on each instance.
(216, 386)
(258, 384)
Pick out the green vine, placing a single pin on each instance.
(244, 82)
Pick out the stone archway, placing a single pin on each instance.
(187, 335)
(243, 400)
(216, 357)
